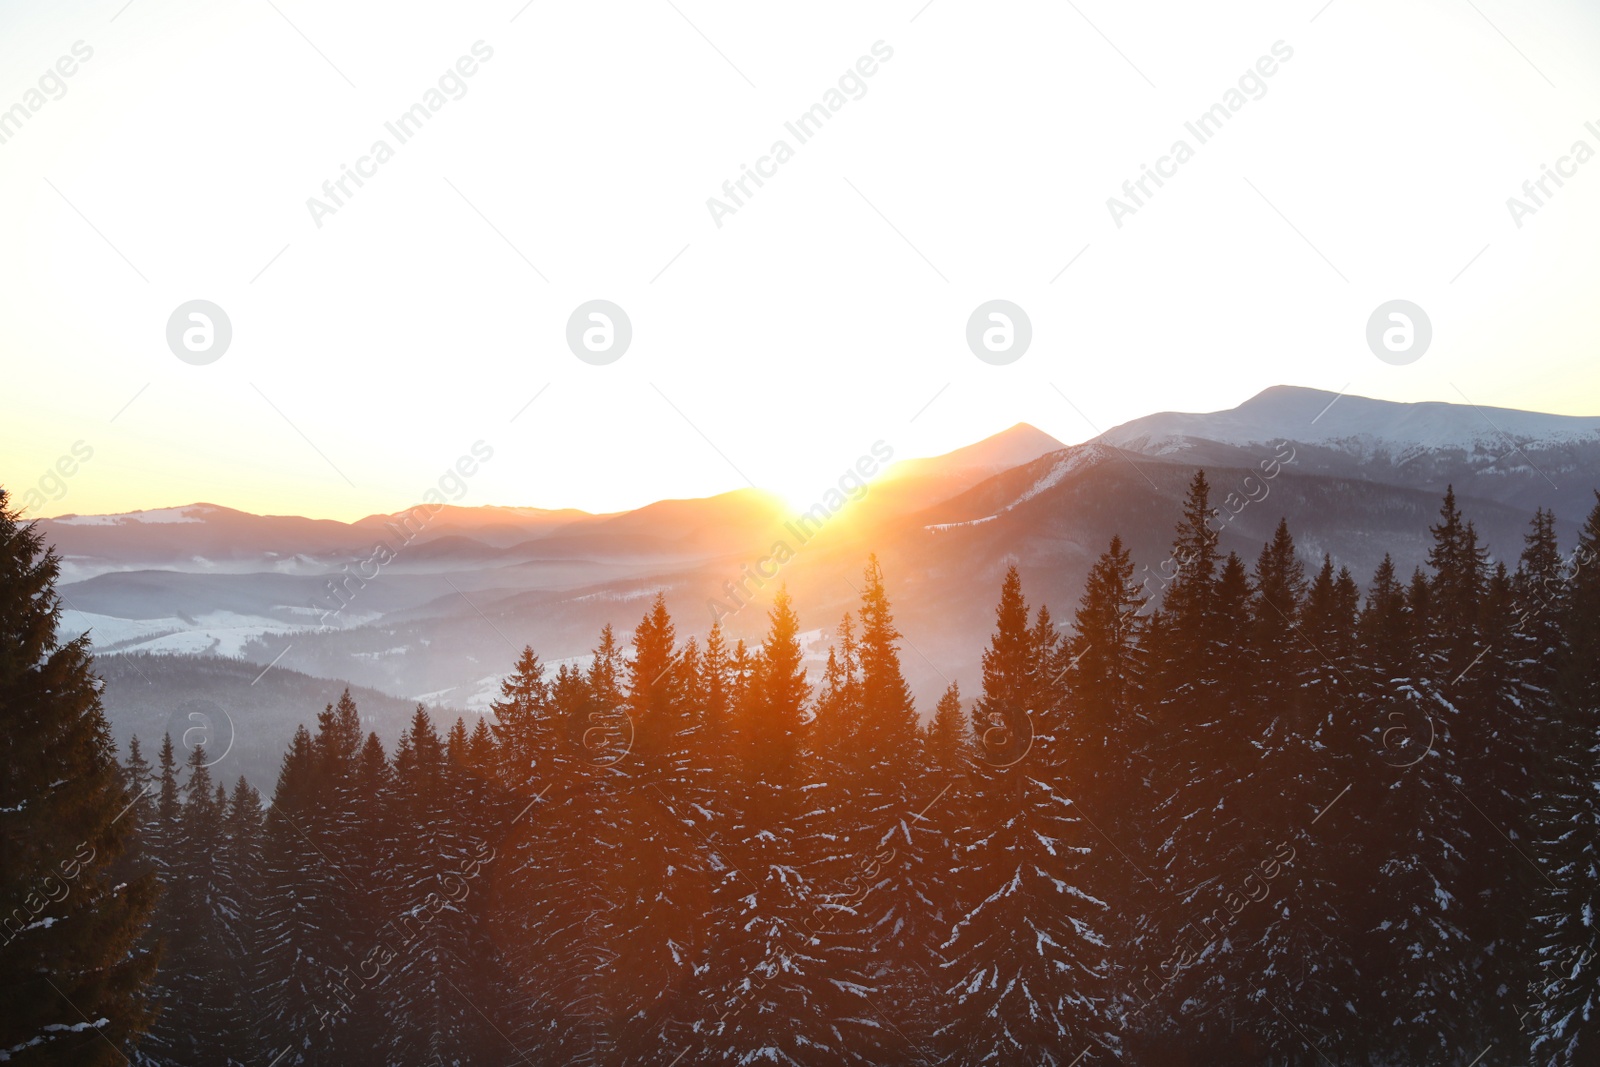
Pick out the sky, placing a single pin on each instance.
(970, 153)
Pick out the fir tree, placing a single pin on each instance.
(1456, 589)
(198, 981)
(1103, 686)
(946, 740)
(1038, 997)
(539, 890)
(427, 945)
(301, 998)
(1539, 590)
(1292, 933)
(1565, 1017)
(71, 965)
(774, 991)
(240, 873)
(1202, 722)
(1278, 591)
(1420, 949)
(663, 885)
(1189, 606)
(523, 728)
(169, 805)
(719, 695)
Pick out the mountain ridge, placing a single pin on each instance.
(443, 616)
(1265, 417)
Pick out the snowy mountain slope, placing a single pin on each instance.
(155, 516)
(1520, 458)
(1361, 426)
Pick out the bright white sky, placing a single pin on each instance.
(782, 345)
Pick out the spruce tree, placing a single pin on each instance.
(1456, 590)
(370, 856)
(1278, 592)
(554, 909)
(1539, 588)
(169, 806)
(774, 992)
(1293, 936)
(1419, 946)
(1189, 605)
(1565, 1016)
(523, 729)
(430, 932)
(838, 704)
(1103, 682)
(1185, 662)
(1025, 969)
(138, 860)
(199, 984)
(1201, 723)
(663, 884)
(943, 834)
(542, 886)
(718, 697)
(885, 919)
(1385, 630)
(72, 966)
(240, 873)
(946, 740)
(300, 996)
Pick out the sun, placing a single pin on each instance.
(837, 486)
(799, 494)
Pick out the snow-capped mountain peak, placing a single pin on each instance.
(1355, 424)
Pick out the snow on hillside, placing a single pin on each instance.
(475, 696)
(1065, 462)
(1068, 460)
(156, 516)
(1354, 424)
(222, 632)
(940, 527)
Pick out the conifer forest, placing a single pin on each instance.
(1265, 811)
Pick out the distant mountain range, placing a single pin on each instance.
(1521, 458)
(441, 616)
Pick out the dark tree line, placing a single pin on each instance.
(1269, 819)
(73, 970)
